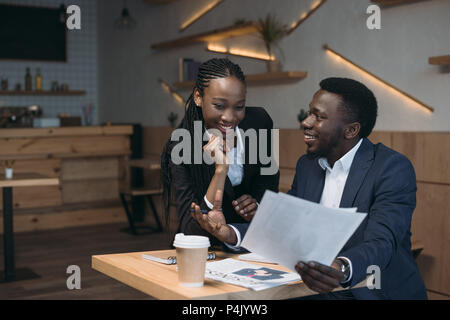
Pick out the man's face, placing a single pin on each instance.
(325, 124)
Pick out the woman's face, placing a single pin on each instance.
(223, 103)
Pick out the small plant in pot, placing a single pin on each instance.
(8, 165)
(271, 32)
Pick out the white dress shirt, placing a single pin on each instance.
(335, 179)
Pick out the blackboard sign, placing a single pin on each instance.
(32, 33)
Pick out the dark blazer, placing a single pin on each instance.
(382, 183)
(253, 183)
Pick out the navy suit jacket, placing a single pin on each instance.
(382, 183)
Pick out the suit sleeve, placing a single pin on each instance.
(389, 218)
(184, 195)
(293, 190)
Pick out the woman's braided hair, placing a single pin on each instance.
(211, 69)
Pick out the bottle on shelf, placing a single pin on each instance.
(38, 80)
(28, 82)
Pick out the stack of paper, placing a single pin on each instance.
(286, 230)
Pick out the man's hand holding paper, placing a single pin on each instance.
(288, 230)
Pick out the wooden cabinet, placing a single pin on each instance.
(87, 160)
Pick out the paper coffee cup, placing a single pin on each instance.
(191, 259)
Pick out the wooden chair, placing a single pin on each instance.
(140, 192)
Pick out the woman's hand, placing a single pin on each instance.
(214, 221)
(216, 150)
(245, 206)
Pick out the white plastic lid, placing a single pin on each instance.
(182, 241)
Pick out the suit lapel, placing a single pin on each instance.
(314, 184)
(358, 171)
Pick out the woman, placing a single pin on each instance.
(217, 105)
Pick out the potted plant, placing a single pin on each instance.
(271, 31)
(8, 164)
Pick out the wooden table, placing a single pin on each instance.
(18, 180)
(161, 281)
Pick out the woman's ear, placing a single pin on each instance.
(197, 98)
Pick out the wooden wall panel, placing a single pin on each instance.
(154, 139)
(47, 167)
(97, 168)
(292, 147)
(65, 145)
(35, 197)
(431, 225)
(428, 151)
(90, 190)
(385, 137)
(437, 296)
(67, 219)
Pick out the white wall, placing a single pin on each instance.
(79, 72)
(398, 53)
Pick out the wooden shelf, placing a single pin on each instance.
(440, 60)
(259, 79)
(393, 2)
(42, 93)
(215, 35)
(159, 1)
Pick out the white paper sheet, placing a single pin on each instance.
(286, 229)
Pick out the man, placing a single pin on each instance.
(342, 168)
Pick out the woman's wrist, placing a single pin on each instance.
(221, 169)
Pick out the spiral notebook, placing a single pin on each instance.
(163, 258)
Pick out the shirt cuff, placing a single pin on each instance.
(238, 243)
(209, 204)
(345, 281)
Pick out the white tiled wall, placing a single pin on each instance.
(79, 72)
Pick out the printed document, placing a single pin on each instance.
(248, 275)
(287, 229)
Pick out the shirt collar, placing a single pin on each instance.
(345, 161)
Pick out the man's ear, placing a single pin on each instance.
(197, 98)
(352, 130)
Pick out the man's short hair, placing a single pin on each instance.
(359, 102)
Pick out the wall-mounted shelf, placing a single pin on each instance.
(159, 1)
(42, 93)
(440, 60)
(215, 35)
(281, 77)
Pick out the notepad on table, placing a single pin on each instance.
(171, 259)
